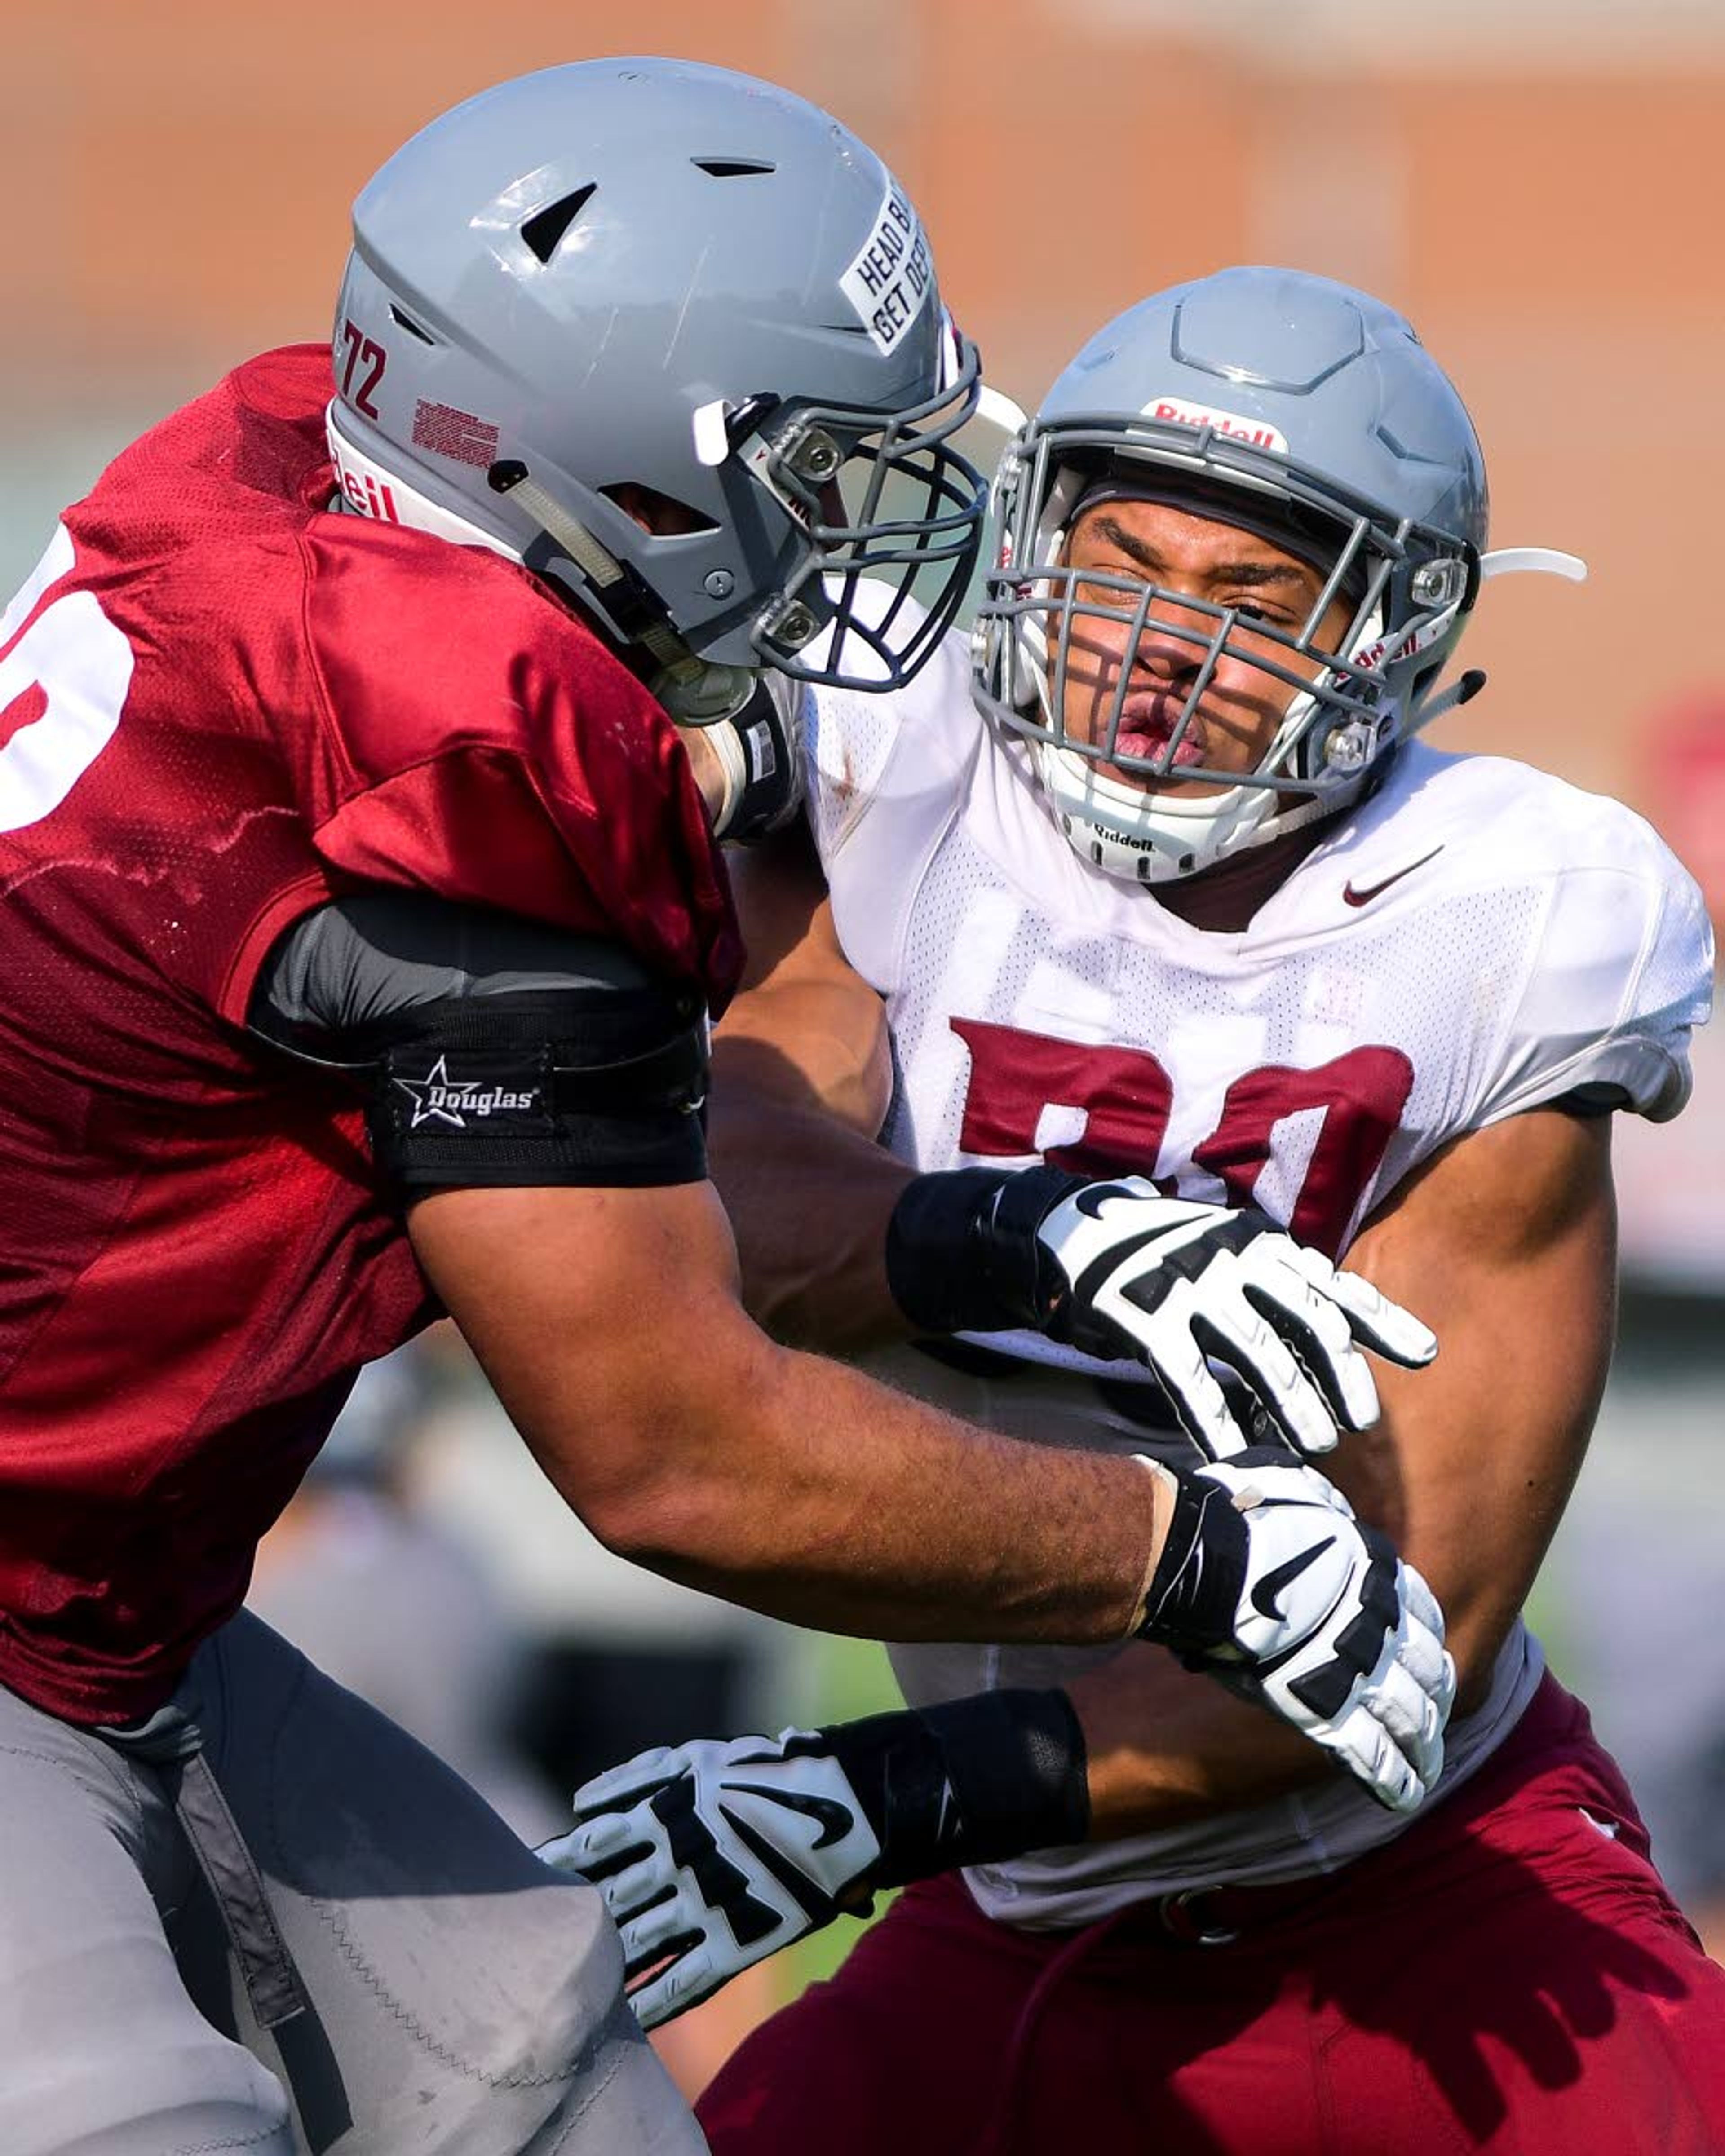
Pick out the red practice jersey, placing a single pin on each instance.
(221, 704)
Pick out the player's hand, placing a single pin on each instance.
(1175, 1283)
(1118, 1270)
(711, 1855)
(1269, 1584)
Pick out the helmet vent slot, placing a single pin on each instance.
(407, 322)
(732, 169)
(544, 230)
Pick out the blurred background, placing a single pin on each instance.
(1537, 183)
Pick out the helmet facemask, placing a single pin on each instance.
(1349, 696)
(889, 504)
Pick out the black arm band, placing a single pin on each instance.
(524, 1091)
(972, 1782)
(961, 1253)
(495, 1050)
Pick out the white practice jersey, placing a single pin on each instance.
(1474, 940)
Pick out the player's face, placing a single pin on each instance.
(1186, 556)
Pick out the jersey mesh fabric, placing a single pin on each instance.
(194, 1255)
(1430, 984)
(848, 739)
(1477, 938)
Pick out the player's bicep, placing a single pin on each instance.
(1506, 1243)
(493, 1051)
(534, 1104)
(1498, 1224)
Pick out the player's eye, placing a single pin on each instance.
(1110, 584)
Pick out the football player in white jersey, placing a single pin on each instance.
(1154, 879)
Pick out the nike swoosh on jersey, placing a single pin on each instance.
(1266, 1590)
(1350, 896)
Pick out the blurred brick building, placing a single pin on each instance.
(1538, 185)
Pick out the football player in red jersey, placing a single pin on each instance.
(1154, 876)
(362, 769)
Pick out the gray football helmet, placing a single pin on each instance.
(647, 275)
(1299, 409)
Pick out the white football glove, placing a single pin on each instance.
(1118, 1270)
(712, 1855)
(1173, 1283)
(1268, 1584)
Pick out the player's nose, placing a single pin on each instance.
(1172, 643)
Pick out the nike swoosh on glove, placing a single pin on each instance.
(712, 1855)
(1268, 1584)
(1115, 1268)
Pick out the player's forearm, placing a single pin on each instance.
(802, 1489)
(607, 1320)
(1164, 1747)
(1478, 1532)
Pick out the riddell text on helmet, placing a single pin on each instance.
(1258, 432)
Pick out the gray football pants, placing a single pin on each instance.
(463, 1997)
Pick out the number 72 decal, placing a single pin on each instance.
(1127, 1097)
(366, 352)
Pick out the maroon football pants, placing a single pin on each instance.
(1510, 1975)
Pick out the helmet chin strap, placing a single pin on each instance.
(694, 693)
(1149, 838)
(1535, 560)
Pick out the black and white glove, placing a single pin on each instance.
(1267, 1582)
(713, 1854)
(1115, 1268)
